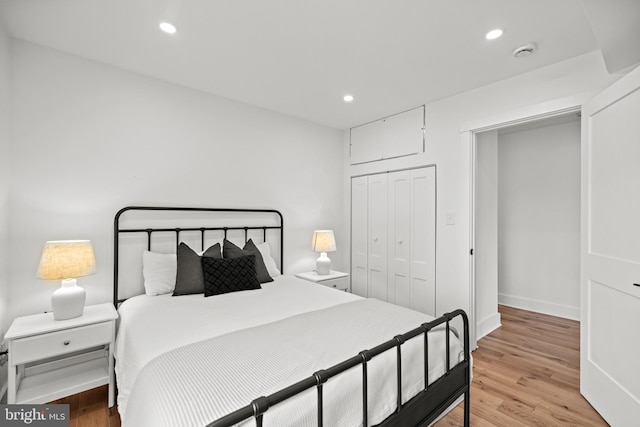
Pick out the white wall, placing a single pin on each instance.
(486, 233)
(89, 139)
(539, 219)
(443, 125)
(4, 194)
(4, 179)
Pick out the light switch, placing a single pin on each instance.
(451, 218)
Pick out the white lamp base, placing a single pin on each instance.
(323, 264)
(68, 300)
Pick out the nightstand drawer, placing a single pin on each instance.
(335, 279)
(341, 283)
(53, 344)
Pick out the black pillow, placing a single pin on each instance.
(232, 251)
(223, 275)
(189, 278)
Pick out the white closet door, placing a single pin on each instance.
(359, 233)
(400, 236)
(423, 240)
(377, 261)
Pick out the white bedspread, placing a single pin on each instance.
(179, 365)
(152, 325)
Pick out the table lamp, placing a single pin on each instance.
(66, 260)
(323, 242)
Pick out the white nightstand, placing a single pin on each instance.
(50, 359)
(335, 279)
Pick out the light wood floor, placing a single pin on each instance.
(526, 373)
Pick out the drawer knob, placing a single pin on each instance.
(66, 342)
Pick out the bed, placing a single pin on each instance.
(287, 353)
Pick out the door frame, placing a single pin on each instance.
(468, 140)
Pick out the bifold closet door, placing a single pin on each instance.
(411, 239)
(377, 234)
(399, 232)
(359, 235)
(423, 243)
(393, 237)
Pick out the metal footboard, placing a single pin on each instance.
(422, 409)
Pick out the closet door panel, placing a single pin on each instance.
(359, 231)
(377, 260)
(399, 235)
(423, 242)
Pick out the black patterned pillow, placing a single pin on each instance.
(189, 277)
(223, 275)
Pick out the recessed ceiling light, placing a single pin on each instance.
(348, 98)
(167, 28)
(493, 34)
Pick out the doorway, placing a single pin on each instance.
(527, 219)
(469, 139)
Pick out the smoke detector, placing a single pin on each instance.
(525, 50)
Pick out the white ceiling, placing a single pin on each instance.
(299, 57)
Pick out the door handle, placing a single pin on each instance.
(636, 284)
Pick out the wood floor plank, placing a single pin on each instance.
(526, 373)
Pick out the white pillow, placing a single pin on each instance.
(269, 262)
(159, 272)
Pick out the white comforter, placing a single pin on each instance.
(175, 354)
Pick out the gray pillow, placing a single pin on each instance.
(189, 277)
(232, 251)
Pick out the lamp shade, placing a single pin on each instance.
(65, 259)
(323, 241)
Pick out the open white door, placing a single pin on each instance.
(610, 256)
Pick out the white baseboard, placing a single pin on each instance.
(538, 306)
(488, 325)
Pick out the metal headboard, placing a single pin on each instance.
(177, 230)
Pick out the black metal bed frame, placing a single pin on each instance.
(421, 410)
